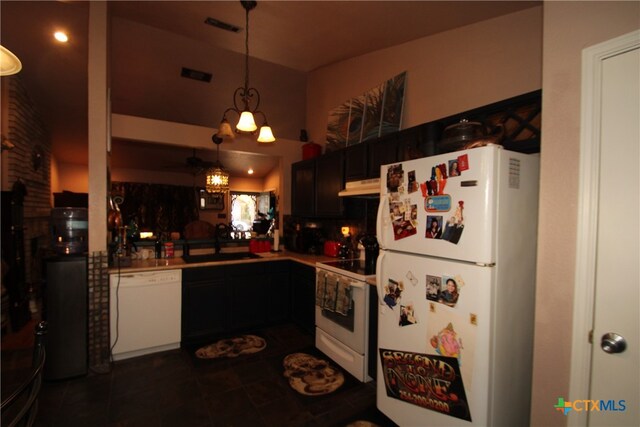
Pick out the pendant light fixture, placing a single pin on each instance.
(217, 177)
(9, 63)
(246, 99)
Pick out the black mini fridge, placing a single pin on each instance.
(66, 312)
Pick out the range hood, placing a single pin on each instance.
(364, 188)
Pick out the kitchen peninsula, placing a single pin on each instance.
(160, 304)
(140, 265)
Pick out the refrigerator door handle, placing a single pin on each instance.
(379, 276)
(379, 228)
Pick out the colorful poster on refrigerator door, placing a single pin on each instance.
(428, 381)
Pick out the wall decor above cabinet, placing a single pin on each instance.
(373, 114)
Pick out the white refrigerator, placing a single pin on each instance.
(455, 280)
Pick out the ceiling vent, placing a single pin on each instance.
(222, 25)
(196, 75)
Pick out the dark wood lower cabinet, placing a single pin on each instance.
(303, 296)
(205, 303)
(278, 297)
(248, 289)
(218, 301)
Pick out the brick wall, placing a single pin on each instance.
(30, 162)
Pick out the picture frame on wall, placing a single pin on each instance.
(211, 201)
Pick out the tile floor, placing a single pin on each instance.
(175, 388)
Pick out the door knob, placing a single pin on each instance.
(613, 343)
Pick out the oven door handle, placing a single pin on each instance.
(359, 285)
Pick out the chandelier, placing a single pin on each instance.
(217, 177)
(244, 97)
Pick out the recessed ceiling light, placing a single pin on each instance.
(250, 171)
(61, 36)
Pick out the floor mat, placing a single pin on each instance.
(232, 347)
(314, 376)
(371, 417)
(310, 375)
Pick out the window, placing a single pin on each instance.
(244, 209)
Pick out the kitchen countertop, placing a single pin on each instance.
(177, 262)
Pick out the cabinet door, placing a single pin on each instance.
(329, 181)
(303, 292)
(248, 286)
(205, 299)
(303, 188)
(382, 152)
(279, 292)
(355, 162)
(410, 144)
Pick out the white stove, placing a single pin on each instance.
(353, 268)
(342, 314)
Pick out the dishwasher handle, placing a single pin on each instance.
(149, 278)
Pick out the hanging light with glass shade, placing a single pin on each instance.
(217, 177)
(9, 63)
(246, 100)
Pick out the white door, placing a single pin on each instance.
(615, 370)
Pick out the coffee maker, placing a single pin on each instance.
(371, 249)
(304, 237)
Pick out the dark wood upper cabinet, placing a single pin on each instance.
(329, 181)
(303, 188)
(355, 162)
(315, 184)
(381, 152)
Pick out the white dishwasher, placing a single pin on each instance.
(145, 312)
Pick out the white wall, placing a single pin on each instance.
(447, 73)
(569, 27)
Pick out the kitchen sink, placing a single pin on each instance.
(231, 256)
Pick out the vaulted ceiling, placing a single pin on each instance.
(290, 37)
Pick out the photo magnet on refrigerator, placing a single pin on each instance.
(454, 168)
(404, 218)
(393, 292)
(395, 178)
(455, 225)
(407, 315)
(412, 184)
(433, 287)
(450, 293)
(434, 227)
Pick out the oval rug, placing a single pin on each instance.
(311, 376)
(232, 347)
